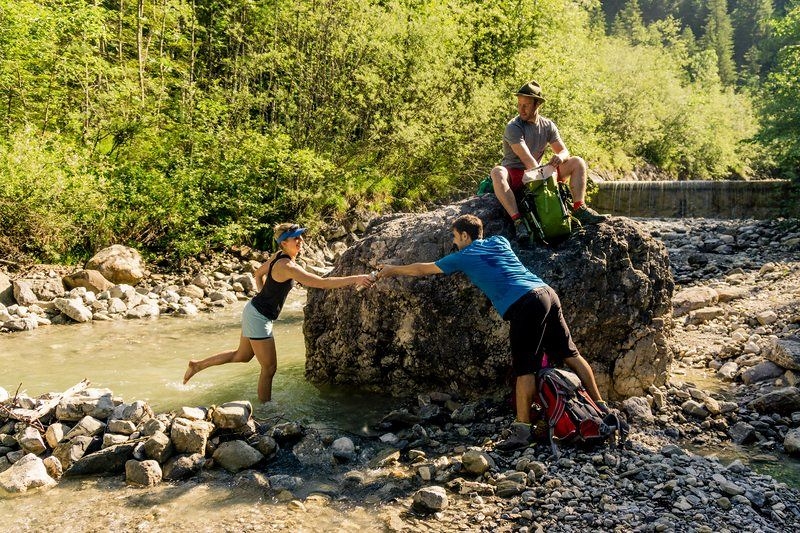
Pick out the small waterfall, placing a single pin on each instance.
(679, 199)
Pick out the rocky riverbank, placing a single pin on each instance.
(432, 464)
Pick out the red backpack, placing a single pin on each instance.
(572, 415)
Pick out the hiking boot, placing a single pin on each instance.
(587, 216)
(520, 438)
(523, 236)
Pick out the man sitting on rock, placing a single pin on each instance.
(525, 140)
(522, 298)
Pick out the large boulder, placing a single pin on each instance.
(118, 264)
(409, 334)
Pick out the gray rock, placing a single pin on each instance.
(691, 407)
(136, 412)
(445, 325)
(791, 443)
(742, 433)
(122, 427)
(761, 372)
(74, 309)
(693, 298)
(158, 447)
(236, 455)
(728, 370)
(23, 294)
(183, 467)
(107, 460)
(86, 426)
(231, 415)
(430, 500)
(343, 449)
(782, 401)
(145, 473)
(785, 353)
(638, 410)
(31, 441)
(268, 446)
(70, 451)
(476, 461)
(97, 403)
(6, 290)
(190, 436)
(27, 474)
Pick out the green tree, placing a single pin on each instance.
(780, 96)
(719, 38)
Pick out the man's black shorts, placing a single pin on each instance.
(538, 327)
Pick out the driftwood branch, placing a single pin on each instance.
(32, 416)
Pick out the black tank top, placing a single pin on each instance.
(270, 300)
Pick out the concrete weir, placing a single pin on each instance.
(677, 199)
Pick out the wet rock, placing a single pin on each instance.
(384, 458)
(27, 474)
(412, 319)
(343, 449)
(107, 460)
(183, 466)
(287, 432)
(143, 473)
(430, 500)
(267, 446)
(236, 455)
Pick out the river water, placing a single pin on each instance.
(146, 360)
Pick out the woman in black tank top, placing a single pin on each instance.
(274, 279)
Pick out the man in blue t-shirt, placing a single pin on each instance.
(531, 307)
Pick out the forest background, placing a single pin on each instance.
(178, 126)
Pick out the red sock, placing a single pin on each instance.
(515, 216)
(576, 205)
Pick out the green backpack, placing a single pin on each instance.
(544, 206)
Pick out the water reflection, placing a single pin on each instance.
(146, 359)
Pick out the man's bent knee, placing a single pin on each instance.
(499, 174)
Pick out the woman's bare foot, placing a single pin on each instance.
(194, 368)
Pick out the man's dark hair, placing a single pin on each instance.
(470, 224)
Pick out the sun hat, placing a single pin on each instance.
(532, 89)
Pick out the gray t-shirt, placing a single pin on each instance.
(536, 136)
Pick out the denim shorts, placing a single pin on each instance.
(255, 325)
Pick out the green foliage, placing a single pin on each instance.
(190, 125)
(780, 98)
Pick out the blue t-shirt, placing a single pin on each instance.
(493, 266)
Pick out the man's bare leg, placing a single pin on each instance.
(502, 189)
(584, 372)
(524, 392)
